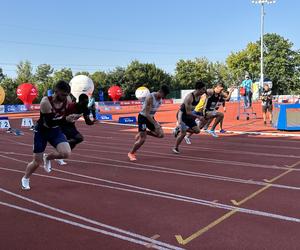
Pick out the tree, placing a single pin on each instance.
(10, 86)
(65, 74)
(83, 73)
(43, 73)
(2, 76)
(24, 72)
(100, 81)
(143, 74)
(281, 63)
(43, 79)
(221, 73)
(187, 72)
(245, 61)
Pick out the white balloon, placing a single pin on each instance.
(141, 93)
(81, 84)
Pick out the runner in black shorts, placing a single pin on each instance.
(145, 124)
(146, 120)
(210, 112)
(52, 114)
(186, 118)
(73, 113)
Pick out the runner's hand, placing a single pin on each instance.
(157, 125)
(72, 117)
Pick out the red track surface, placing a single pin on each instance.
(161, 195)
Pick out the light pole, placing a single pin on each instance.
(262, 15)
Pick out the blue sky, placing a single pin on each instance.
(99, 35)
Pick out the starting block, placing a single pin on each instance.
(15, 131)
(103, 117)
(127, 120)
(4, 123)
(27, 123)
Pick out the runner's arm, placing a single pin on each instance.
(149, 103)
(188, 106)
(226, 96)
(49, 117)
(86, 116)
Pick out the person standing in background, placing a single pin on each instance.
(266, 98)
(247, 85)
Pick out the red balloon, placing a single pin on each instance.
(27, 92)
(115, 93)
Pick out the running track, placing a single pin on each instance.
(233, 192)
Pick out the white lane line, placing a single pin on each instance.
(186, 158)
(208, 139)
(181, 157)
(94, 229)
(195, 174)
(229, 131)
(170, 196)
(199, 148)
(168, 171)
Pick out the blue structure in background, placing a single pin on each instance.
(286, 117)
(49, 92)
(101, 96)
(14, 108)
(127, 120)
(103, 117)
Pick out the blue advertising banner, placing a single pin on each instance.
(105, 117)
(14, 108)
(127, 120)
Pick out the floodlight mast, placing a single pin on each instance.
(262, 15)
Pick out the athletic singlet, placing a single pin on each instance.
(59, 113)
(212, 102)
(200, 105)
(266, 98)
(155, 105)
(76, 108)
(194, 103)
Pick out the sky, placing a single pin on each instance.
(96, 35)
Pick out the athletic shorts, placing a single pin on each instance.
(42, 135)
(144, 124)
(188, 120)
(267, 108)
(197, 113)
(70, 131)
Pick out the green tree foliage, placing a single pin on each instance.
(245, 61)
(221, 73)
(24, 72)
(2, 76)
(43, 73)
(43, 79)
(143, 74)
(281, 63)
(83, 73)
(187, 72)
(65, 74)
(100, 82)
(10, 88)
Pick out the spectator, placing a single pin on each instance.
(247, 84)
